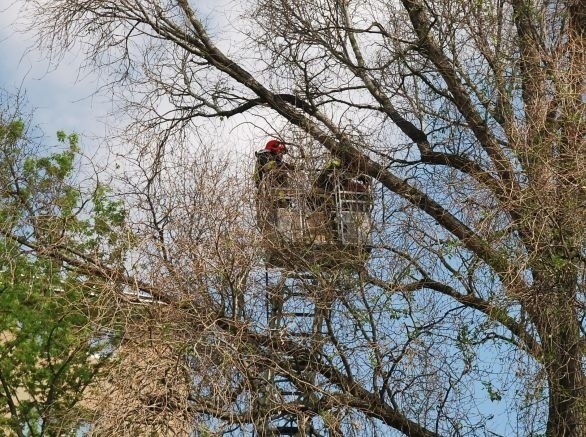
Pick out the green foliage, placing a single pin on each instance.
(12, 132)
(493, 394)
(55, 168)
(46, 344)
(49, 348)
(464, 344)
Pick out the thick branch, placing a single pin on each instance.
(288, 98)
(89, 266)
(417, 135)
(531, 68)
(422, 26)
(10, 402)
(493, 312)
(356, 395)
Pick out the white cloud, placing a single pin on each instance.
(64, 99)
(61, 98)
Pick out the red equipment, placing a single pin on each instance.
(276, 146)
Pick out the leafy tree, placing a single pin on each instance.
(470, 115)
(52, 345)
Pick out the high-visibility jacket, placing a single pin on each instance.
(325, 179)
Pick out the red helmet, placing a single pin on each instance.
(276, 146)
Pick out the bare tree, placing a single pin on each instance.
(471, 118)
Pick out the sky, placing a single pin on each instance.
(62, 96)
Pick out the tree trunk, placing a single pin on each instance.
(559, 328)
